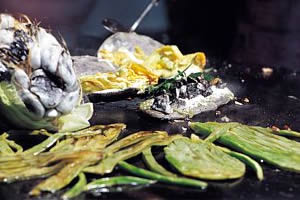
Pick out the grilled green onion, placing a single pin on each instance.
(119, 180)
(77, 188)
(153, 165)
(161, 178)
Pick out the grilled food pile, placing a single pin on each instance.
(99, 149)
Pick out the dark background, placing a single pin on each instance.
(252, 32)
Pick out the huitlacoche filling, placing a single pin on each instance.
(183, 93)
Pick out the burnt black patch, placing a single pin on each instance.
(55, 80)
(18, 51)
(5, 74)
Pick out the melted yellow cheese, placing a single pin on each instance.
(139, 70)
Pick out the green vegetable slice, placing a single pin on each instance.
(203, 160)
(82, 185)
(45, 144)
(119, 180)
(95, 138)
(30, 172)
(247, 160)
(260, 144)
(244, 158)
(150, 160)
(219, 132)
(66, 174)
(7, 146)
(161, 178)
(132, 139)
(77, 188)
(153, 165)
(108, 163)
(287, 133)
(276, 131)
(64, 161)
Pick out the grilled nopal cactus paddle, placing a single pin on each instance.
(37, 81)
(203, 160)
(257, 142)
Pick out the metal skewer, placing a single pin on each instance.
(114, 26)
(144, 13)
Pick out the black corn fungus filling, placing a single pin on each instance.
(186, 87)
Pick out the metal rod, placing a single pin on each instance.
(144, 13)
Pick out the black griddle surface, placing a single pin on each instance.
(273, 101)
